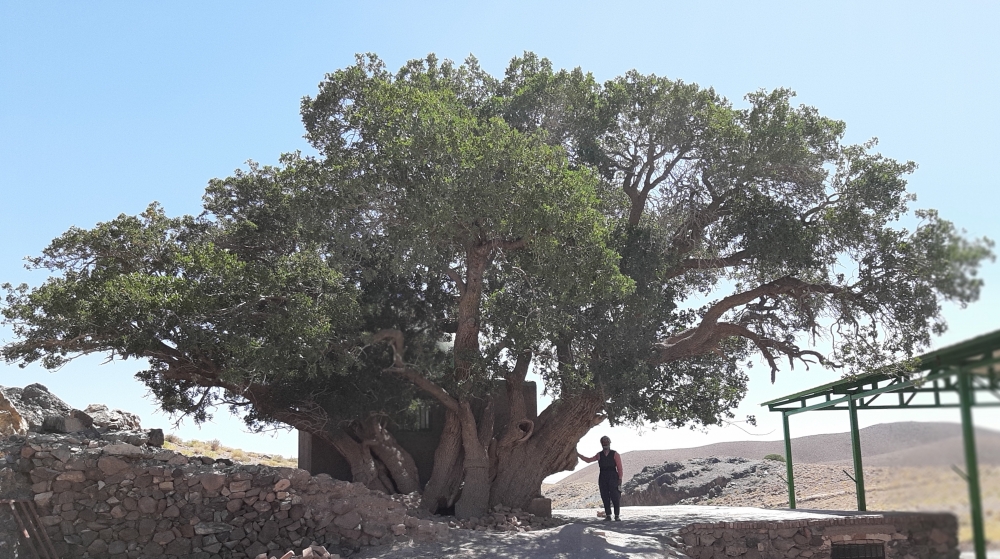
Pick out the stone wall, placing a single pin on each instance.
(905, 536)
(108, 498)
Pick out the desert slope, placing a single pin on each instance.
(903, 444)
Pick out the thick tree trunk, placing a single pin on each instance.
(637, 206)
(466, 346)
(399, 465)
(359, 457)
(443, 487)
(475, 497)
(522, 464)
(375, 457)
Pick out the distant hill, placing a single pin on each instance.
(908, 443)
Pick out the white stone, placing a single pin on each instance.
(205, 528)
(42, 499)
(11, 420)
(122, 449)
(73, 476)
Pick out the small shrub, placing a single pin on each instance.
(214, 444)
(172, 438)
(775, 457)
(238, 455)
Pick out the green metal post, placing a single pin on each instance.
(971, 463)
(788, 462)
(859, 472)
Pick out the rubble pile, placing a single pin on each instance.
(311, 552)
(687, 482)
(35, 409)
(505, 519)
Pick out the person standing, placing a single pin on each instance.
(610, 478)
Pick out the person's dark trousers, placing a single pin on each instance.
(608, 482)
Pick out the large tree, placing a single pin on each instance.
(638, 243)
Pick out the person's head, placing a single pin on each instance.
(606, 442)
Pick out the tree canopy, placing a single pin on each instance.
(638, 243)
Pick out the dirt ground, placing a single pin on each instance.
(644, 533)
(827, 487)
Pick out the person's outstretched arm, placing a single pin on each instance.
(585, 459)
(621, 470)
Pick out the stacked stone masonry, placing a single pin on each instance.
(904, 536)
(101, 498)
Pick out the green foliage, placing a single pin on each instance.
(627, 221)
(775, 457)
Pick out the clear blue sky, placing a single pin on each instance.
(107, 106)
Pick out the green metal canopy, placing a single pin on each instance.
(964, 375)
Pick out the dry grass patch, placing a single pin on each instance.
(926, 489)
(214, 449)
(936, 489)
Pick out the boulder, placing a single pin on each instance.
(113, 420)
(34, 403)
(123, 449)
(11, 421)
(672, 482)
(73, 422)
(156, 437)
(540, 506)
(134, 438)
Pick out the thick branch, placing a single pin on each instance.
(401, 369)
(765, 344)
(400, 464)
(515, 386)
(457, 278)
(704, 337)
(358, 456)
(306, 416)
(519, 428)
(652, 183)
(425, 384)
(686, 236)
(396, 342)
(566, 419)
(734, 259)
(502, 244)
(645, 175)
(830, 200)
